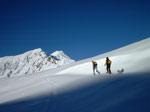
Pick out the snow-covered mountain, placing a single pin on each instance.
(31, 62)
(74, 88)
(61, 58)
(133, 58)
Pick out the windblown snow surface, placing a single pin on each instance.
(74, 88)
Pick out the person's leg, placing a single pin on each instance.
(109, 71)
(94, 70)
(107, 68)
(97, 71)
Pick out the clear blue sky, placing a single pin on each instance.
(81, 28)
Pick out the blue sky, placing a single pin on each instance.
(81, 28)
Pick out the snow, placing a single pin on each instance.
(74, 88)
(31, 62)
(60, 55)
(132, 58)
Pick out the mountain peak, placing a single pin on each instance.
(37, 50)
(56, 53)
(60, 55)
(32, 61)
(34, 51)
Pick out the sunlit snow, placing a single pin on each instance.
(74, 88)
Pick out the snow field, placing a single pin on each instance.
(74, 88)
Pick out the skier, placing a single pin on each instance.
(108, 65)
(95, 67)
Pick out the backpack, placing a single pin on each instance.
(94, 63)
(109, 62)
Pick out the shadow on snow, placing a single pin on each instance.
(130, 93)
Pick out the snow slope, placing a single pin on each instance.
(128, 93)
(132, 58)
(31, 62)
(74, 88)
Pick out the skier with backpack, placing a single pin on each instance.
(108, 65)
(95, 67)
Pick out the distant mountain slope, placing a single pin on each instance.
(31, 62)
(133, 58)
